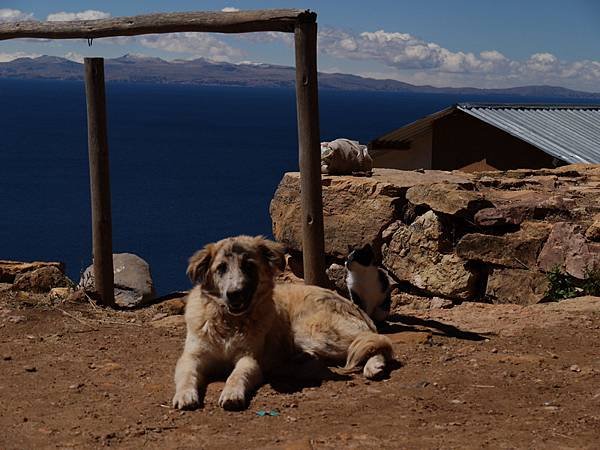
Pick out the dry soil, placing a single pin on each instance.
(474, 376)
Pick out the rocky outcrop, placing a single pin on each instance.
(525, 205)
(593, 231)
(489, 236)
(568, 250)
(337, 277)
(41, 280)
(9, 270)
(518, 250)
(132, 279)
(447, 198)
(524, 287)
(421, 254)
(357, 209)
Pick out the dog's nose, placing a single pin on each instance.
(235, 297)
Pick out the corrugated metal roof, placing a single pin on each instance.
(568, 132)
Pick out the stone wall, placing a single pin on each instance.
(487, 236)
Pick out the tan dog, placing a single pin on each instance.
(240, 323)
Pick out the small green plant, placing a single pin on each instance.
(560, 285)
(591, 283)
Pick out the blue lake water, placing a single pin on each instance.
(189, 165)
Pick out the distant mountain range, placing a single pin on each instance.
(133, 68)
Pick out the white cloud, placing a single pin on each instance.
(117, 40)
(194, 44)
(268, 36)
(413, 60)
(7, 57)
(404, 51)
(90, 14)
(14, 15)
(230, 9)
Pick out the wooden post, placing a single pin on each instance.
(307, 104)
(99, 180)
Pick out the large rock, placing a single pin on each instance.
(10, 269)
(510, 219)
(336, 273)
(133, 280)
(535, 206)
(356, 210)
(419, 254)
(568, 250)
(593, 231)
(519, 250)
(41, 280)
(524, 287)
(447, 198)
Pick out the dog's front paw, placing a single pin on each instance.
(232, 399)
(186, 399)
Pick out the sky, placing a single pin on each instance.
(485, 43)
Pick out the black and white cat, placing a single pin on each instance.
(368, 284)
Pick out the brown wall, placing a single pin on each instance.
(461, 141)
(417, 157)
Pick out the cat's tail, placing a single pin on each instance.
(371, 349)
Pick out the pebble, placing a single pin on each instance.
(16, 319)
(30, 368)
(575, 368)
(6, 357)
(494, 350)
(159, 316)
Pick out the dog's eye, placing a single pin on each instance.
(247, 264)
(222, 268)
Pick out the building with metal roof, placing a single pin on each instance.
(487, 136)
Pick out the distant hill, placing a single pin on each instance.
(132, 68)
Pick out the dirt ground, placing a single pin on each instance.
(474, 376)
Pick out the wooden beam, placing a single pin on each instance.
(99, 180)
(217, 22)
(307, 104)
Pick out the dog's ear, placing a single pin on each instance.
(273, 253)
(199, 264)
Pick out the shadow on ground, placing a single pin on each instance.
(398, 323)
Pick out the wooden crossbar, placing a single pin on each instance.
(283, 20)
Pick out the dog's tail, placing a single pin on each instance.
(371, 350)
